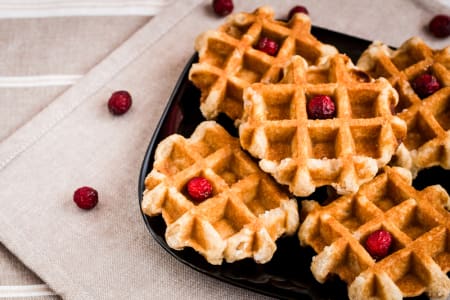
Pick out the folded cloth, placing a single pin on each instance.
(46, 56)
(107, 252)
(18, 281)
(44, 9)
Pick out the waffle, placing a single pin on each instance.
(428, 140)
(244, 217)
(303, 153)
(419, 225)
(228, 61)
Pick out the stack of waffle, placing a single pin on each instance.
(419, 225)
(247, 212)
(428, 118)
(229, 62)
(382, 134)
(305, 153)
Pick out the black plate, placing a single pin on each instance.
(287, 275)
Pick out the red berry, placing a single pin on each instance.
(119, 102)
(378, 243)
(85, 197)
(267, 45)
(425, 85)
(223, 7)
(297, 9)
(440, 26)
(321, 107)
(199, 189)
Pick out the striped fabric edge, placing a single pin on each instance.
(61, 8)
(37, 81)
(34, 290)
(434, 6)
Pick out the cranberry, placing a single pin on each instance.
(85, 197)
(223, 7)
(378, 243)
(119, 102)
(267, 45)
(321, 107)
(199, 189)
(440, 26)
(425, 85)
(297, 9)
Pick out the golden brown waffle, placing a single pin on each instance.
(428, 140)
(247, 212)
(417, 220)
(229, 62)
(304, 153)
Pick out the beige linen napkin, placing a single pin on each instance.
(52, 8)
(41, 58)
(18, 281)
(107, 253)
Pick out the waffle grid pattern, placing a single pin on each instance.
(246, 213)
(417, 220)
(229, 62)
(304, 153)
(428, 140)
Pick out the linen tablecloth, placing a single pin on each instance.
(60, 63)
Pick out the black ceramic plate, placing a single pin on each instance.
(287, 275)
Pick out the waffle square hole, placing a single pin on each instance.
(280, 105)
(230, 218)
(442, 113)
(408, 58)
(232, 169)
(353, 214)
(282, 141)
(308, 52)
(253, 68)
(385, 193)
(234, 91)
(175, 207)
(396, 193)
(352, 262)
(259, 195)
(327, 231)
(412, 221)
(208, 144)
(363, 103)
(416, 224)
(419, 132)
(218, 52)
(366, 140)
(410, 274)
(179, 160)
(323, 142)
(237, 31)
(380, 70)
